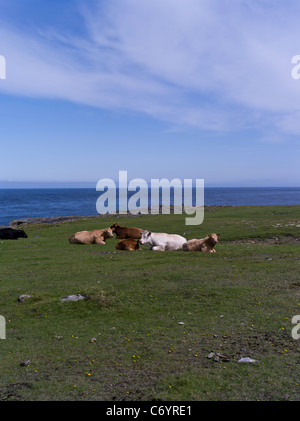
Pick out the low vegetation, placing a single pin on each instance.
(154, 325)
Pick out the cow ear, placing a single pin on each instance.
(218, 235)
(149, 233)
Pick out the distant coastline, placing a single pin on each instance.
(31, 203)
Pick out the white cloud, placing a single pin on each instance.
(209, 64)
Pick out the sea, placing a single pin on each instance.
(20, 203)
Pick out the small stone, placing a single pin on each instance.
(221, 355)
(246, 360)
(74, 297)
(23, 298)
(181, 323)
(210, 355)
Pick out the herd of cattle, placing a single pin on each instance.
(131, 238)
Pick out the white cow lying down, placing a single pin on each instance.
(162, 241)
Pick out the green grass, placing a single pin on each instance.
(238, 302)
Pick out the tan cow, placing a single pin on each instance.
(91, 237)
(206, 244)
(128, 244)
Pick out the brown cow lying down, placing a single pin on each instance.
(128, 244)
(206, 244)
(126, 232)
(91, 237)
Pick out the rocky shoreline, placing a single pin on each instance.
(60, 219)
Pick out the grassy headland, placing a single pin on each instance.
(155, 316)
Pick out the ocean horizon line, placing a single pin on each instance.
(88, 185)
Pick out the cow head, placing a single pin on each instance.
(108, 233)
(213, 238)
(21, 234)
(145, 237)
(114, 226)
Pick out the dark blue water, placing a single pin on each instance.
(32, 203)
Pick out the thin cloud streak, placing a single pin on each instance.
(205, 64)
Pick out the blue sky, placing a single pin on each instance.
(172, 88)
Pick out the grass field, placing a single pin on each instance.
(156, 316)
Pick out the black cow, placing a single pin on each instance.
(11, 234)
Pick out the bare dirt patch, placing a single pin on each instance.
(287, 239)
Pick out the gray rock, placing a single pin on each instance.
(246, 360)
(23, 298)
(74, 297)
